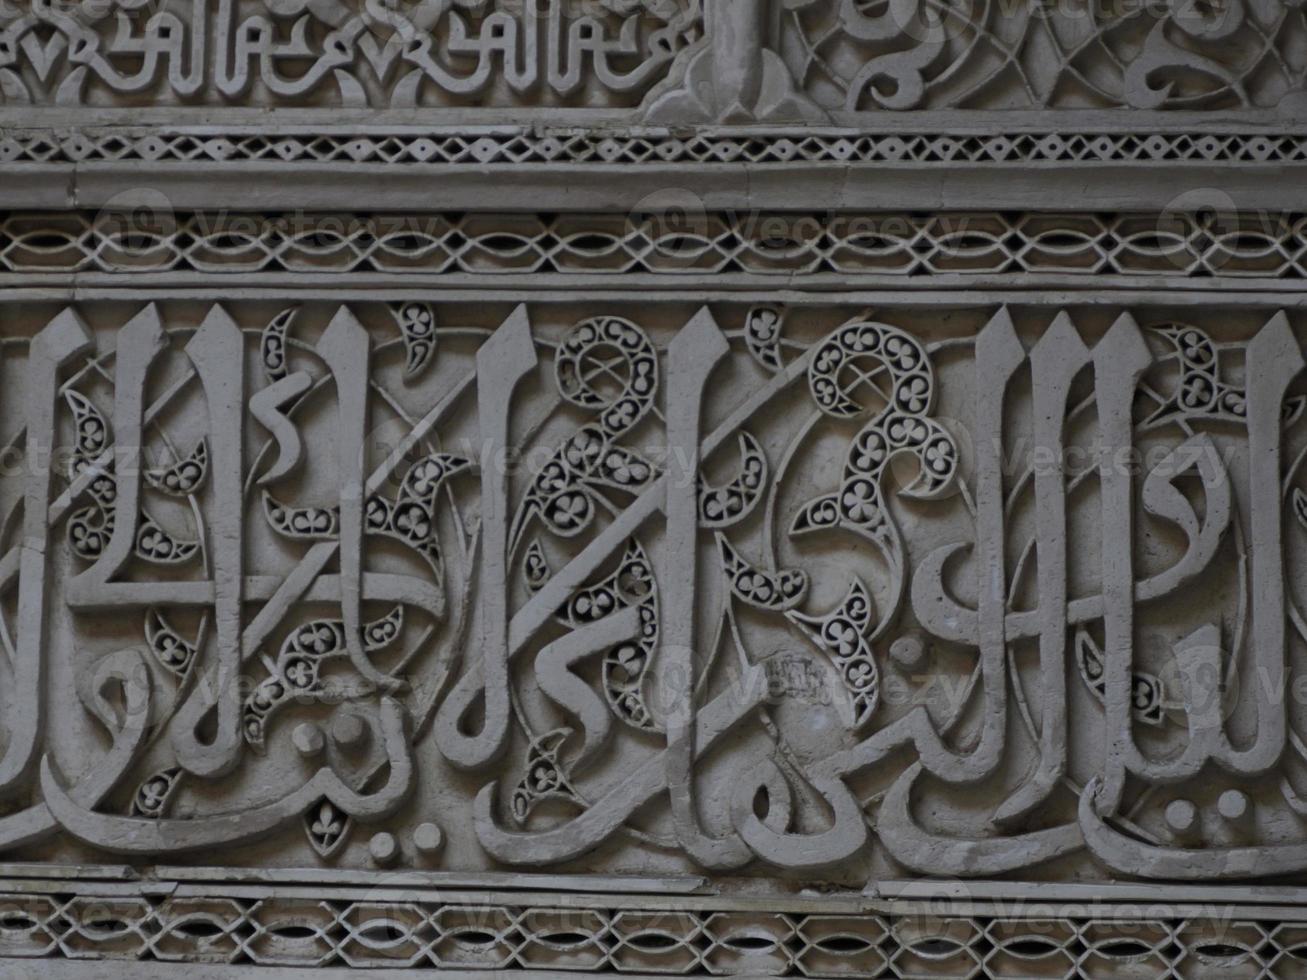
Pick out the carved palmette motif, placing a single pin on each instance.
(556, 586)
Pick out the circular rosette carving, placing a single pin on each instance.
(723, 506)
(90, 528)
(272, 344)
(183, 477)
(174, 653)
(762, 334)
(842, 635)
(854, 359)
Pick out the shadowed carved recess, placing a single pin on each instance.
(804, 592)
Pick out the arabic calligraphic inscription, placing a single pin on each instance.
(653, 486)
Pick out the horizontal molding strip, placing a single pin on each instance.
(906, 298)
(147, 929)
(589, 170)
(654, 249)
(483, 119)
(622, 891)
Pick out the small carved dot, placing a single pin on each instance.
(909, 652)
(1181, 816)
(1234, 805)
(429, 839)
(384, 849)
(349, 731)
(308, 739)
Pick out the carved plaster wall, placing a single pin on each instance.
(696, 487)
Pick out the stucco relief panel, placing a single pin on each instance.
(812, 591)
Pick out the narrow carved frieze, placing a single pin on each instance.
(660, 241)
(680, 62)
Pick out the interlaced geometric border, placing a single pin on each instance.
(583, 934)
(159, 144)
(781, 244)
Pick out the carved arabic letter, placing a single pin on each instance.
(895, 80)
(1160, 57)
(64, 338)
(691, 357)
(607, 814)
(127, 667)
(554, 674)
(931, 854)
(1273, 360)
(946, 618)
(555, 592)
(1054, 362)
(735, 77)
(1130, 856)
(1203, 534)
(218, 352)
(345, 348)
(503, 362)
(140, 341)
(149, 835)
(998, 356)
(846, 835)
(266, 406)
(1120, 360)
